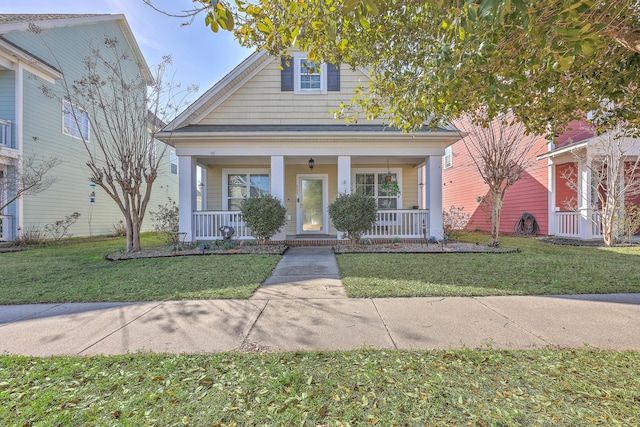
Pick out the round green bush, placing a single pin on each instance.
(264, 215)
(353, 214)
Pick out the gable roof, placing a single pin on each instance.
(220, 91)
(21, 22)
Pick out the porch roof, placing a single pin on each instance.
(301, 128)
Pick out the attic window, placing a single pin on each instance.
(309, 73)
(303, 76)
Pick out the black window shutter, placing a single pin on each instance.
(286, 75)
(333, 78)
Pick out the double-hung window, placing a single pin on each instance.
(309, 75)
(244, 184)
(75, 121)
(373, 184)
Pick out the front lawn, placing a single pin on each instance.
(78, 272)
(539, 268)
(383, 388)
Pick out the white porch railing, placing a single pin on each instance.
(568, 224)
(403, 223)
(5, 134)
(5, 228)
(207, 224)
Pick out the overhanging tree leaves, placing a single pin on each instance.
(546, 61)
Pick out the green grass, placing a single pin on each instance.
(77, 272)
(539, 268)
(488, 388)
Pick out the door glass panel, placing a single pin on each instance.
(312, 212)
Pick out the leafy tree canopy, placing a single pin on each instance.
(431, 61)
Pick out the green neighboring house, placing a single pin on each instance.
(33, 124)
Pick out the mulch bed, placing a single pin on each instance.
(166, 252)
(414, 248)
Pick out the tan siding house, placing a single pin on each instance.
(267, 127)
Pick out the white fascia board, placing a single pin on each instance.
(562, 150)
(336, 147)
(11, 55)
(303, 137)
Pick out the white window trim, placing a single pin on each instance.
(379, 171)
(297, 58)
(447, 159)
(246, 171)
(79, 110)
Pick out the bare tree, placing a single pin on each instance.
(500, 151)
(124, 112)
(613, 161)
(26, 176)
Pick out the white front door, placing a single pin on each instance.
(312, 197)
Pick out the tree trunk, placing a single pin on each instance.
(496, 209)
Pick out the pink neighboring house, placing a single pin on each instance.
(542, 191)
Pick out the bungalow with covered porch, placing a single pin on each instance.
(266, 127)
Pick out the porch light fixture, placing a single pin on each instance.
(311, 163)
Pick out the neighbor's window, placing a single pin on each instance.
(173, 158)
(243, 185)
(447, 160)
(75, 121)
(370, 184)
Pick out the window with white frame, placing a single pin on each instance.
(447, 159)
(241, 185)
(372, 184)
(75, 121)
(310, 76)
(173, 160)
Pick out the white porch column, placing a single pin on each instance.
(186, 195)
(344, 174)
(19, 145)
(584, 199)
(344, 181)
(277, 189)
(551, 180)
(433, 166)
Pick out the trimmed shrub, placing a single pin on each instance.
(264, 215)
(353, 214)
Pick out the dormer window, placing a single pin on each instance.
(309, 75)
(303, 76)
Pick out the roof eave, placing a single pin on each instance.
(449, 137)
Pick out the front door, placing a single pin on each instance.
(312, 204)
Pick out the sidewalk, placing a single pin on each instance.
(303, 307)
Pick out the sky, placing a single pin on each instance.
(199, 56)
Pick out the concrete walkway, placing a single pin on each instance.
(303, 306)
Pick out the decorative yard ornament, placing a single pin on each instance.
(227, 232)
